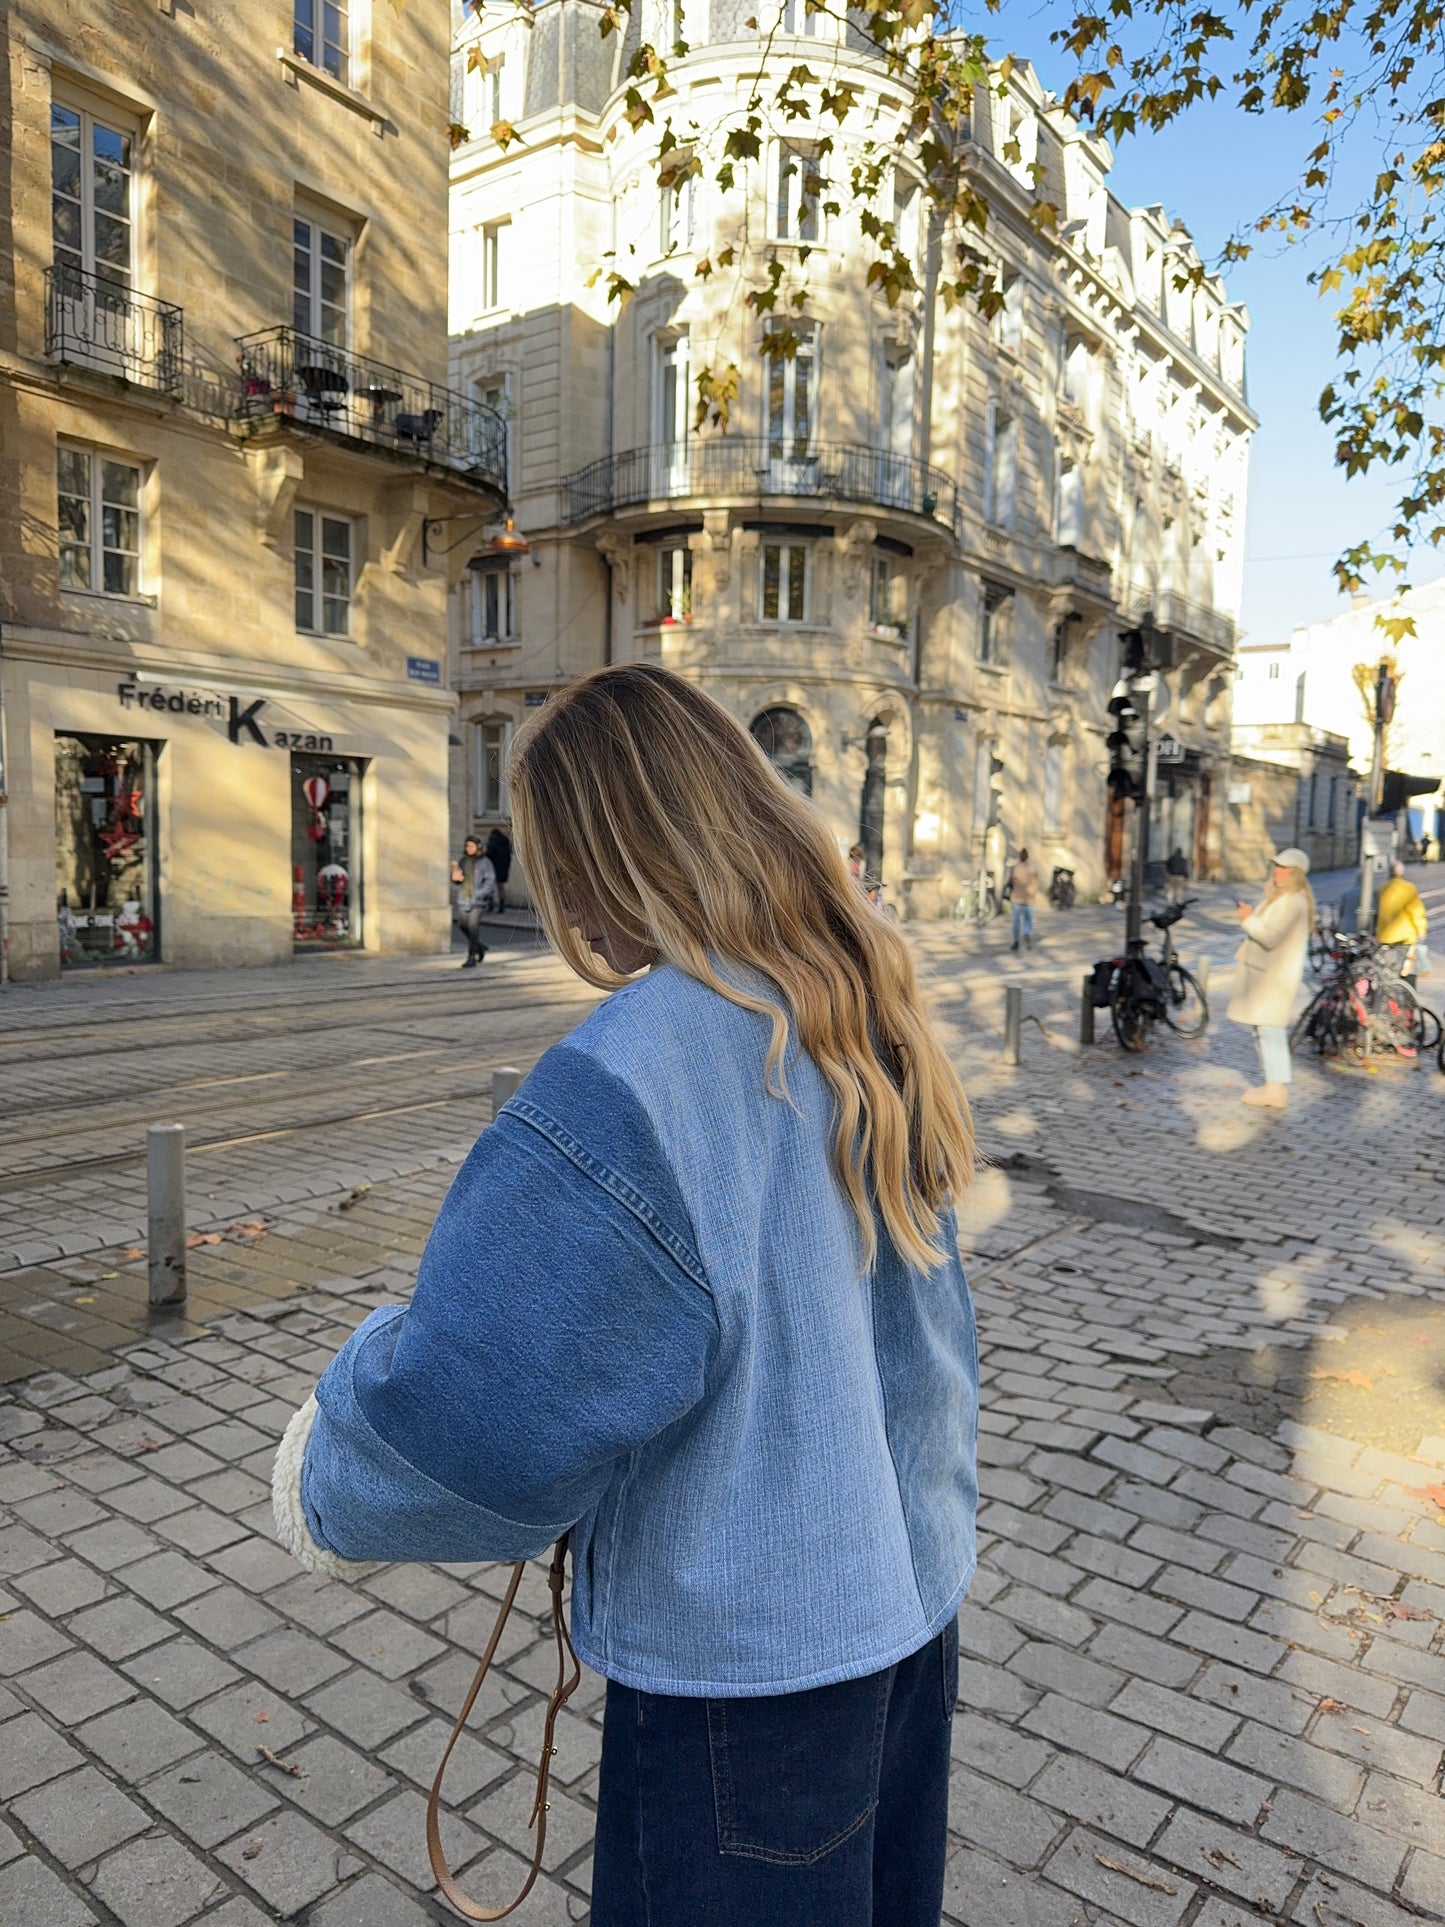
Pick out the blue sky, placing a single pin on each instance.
(1213, 170)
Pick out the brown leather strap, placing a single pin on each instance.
(561, 1693)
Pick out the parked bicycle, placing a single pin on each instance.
(1141, 990)
(1365, 1008)
(1322, 940)
(979, 902)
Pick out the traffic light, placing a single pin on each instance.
(995, 787)
(1136, 645)
(1122, 747)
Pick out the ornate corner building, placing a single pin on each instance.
(905, 560)
(225, 431)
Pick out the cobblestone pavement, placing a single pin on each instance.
(1203, 1678)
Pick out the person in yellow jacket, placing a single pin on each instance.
(1400, 915)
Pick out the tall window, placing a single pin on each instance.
(489, 767)
(491, 612)
(800, 184)
(1054, 787)
(1009, 319)
(783, 582)
(90, 206)
(98, 515)
(323, 546)
(795, 17)
(674, 582)
(897, 423)
(319, 282)
(994, 612)
(792, 385)
(1000, 473)
(494, 263)
(675, 222)
(1068, 504)
(1331, 803)
(321, 33)
(492, 393)
(888, 596)
(1080, 375)
(1059, 659)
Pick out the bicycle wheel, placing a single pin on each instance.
(1433, 1034)
(1187, 1008)
(1131, 1020)
(1313, 1026)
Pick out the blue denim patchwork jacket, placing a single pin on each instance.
(641, 1316)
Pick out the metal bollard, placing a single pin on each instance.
(1201, 972)
(504, 1085)
(166, 1214)
(1013, 1011)
(1086, 1010)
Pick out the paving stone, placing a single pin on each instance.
(79, 1818)
(394, 1835)
(26, 1641)
(1133, 1652)
(1424, 1883)
(1342, 1843)
(286, 1860)
(1395, 1807)
(1327, 1679)
(335, 1781)
(233, 1719)
(1425, 1713)
(979, 1891)
(32, 1896)
(119, 1627)
(1160, 1899)
(1177, 1548)
(992, 1689)
(474, 1764)
(1130, 1608)
(990, 1815)
(320, 1605)
(1180, 1714)
(31, 1752)
(62, 1587)
(365, 1710)
(198, 1530)
(227, 1618)
(155, 1883)
(113, 1545)
(75, 1687)
(1203, 1780)
(1051, 1618)
(505, 1811)
(388, 1644)
(983, 1635)
(370, 1902)
(1374, 1744)
(1103, 1737)
(138, 1739)
(1295, 1762)
(254, 1564)
(208, 1798)
(1119, 1563)
(1065, 1672)
(1220, 1640)
(1087, 1792)
(1226, 1858)
(52, 1514)
(293, 1662)
(181, 1672)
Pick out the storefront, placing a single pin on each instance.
(202, 822)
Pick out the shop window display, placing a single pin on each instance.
(105, 869)
(325, 852)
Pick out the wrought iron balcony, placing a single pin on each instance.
(298, 378)
(1176, 615)
(94, 322)
(730, 467)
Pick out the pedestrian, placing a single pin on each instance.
(1401, 919)
(1021, 887)
(475, 882)
(1176, 872)
(1269, 969)
(499, 855)
(695, 1298)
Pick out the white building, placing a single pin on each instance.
(1308, 679)
(905, 561)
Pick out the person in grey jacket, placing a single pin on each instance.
(475, 883)
(695, 1301)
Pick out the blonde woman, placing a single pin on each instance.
(1270, 966)
(720, 1334)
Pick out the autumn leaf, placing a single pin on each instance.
(1328, 1705)
(1431, 1494)
(1398, 1609)
(1357, 1379)
(198, 1238)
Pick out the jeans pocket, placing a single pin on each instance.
(948, 1647)
(796, 1775)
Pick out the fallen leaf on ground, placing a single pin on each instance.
(135, 1251)
(353, 1197)
(286, 1766)
(1328, 1705)
(1431, 1494)
(262, 1717)
(1219, 1855)
(1397, 1609)
(252, 1228)
(1348, 1378)
(202, 1238)
(251, 1849)
(1134, 1873)
(87, 1300)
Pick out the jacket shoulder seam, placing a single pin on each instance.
(606, 1179)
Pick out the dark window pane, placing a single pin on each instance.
(797, 579)
(772, 567)
(119, 573)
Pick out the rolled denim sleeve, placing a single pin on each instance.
(561, 1320)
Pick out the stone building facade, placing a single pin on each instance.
(905, 560)
(1290, 783)
(225, 434)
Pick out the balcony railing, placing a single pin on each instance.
(298, 378)
(94, 322)
(729, 466)
(1176, 615)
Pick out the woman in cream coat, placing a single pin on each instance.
(1269, 969)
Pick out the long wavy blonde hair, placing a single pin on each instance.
(637, 797)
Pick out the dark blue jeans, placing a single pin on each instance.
(819, 1809)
